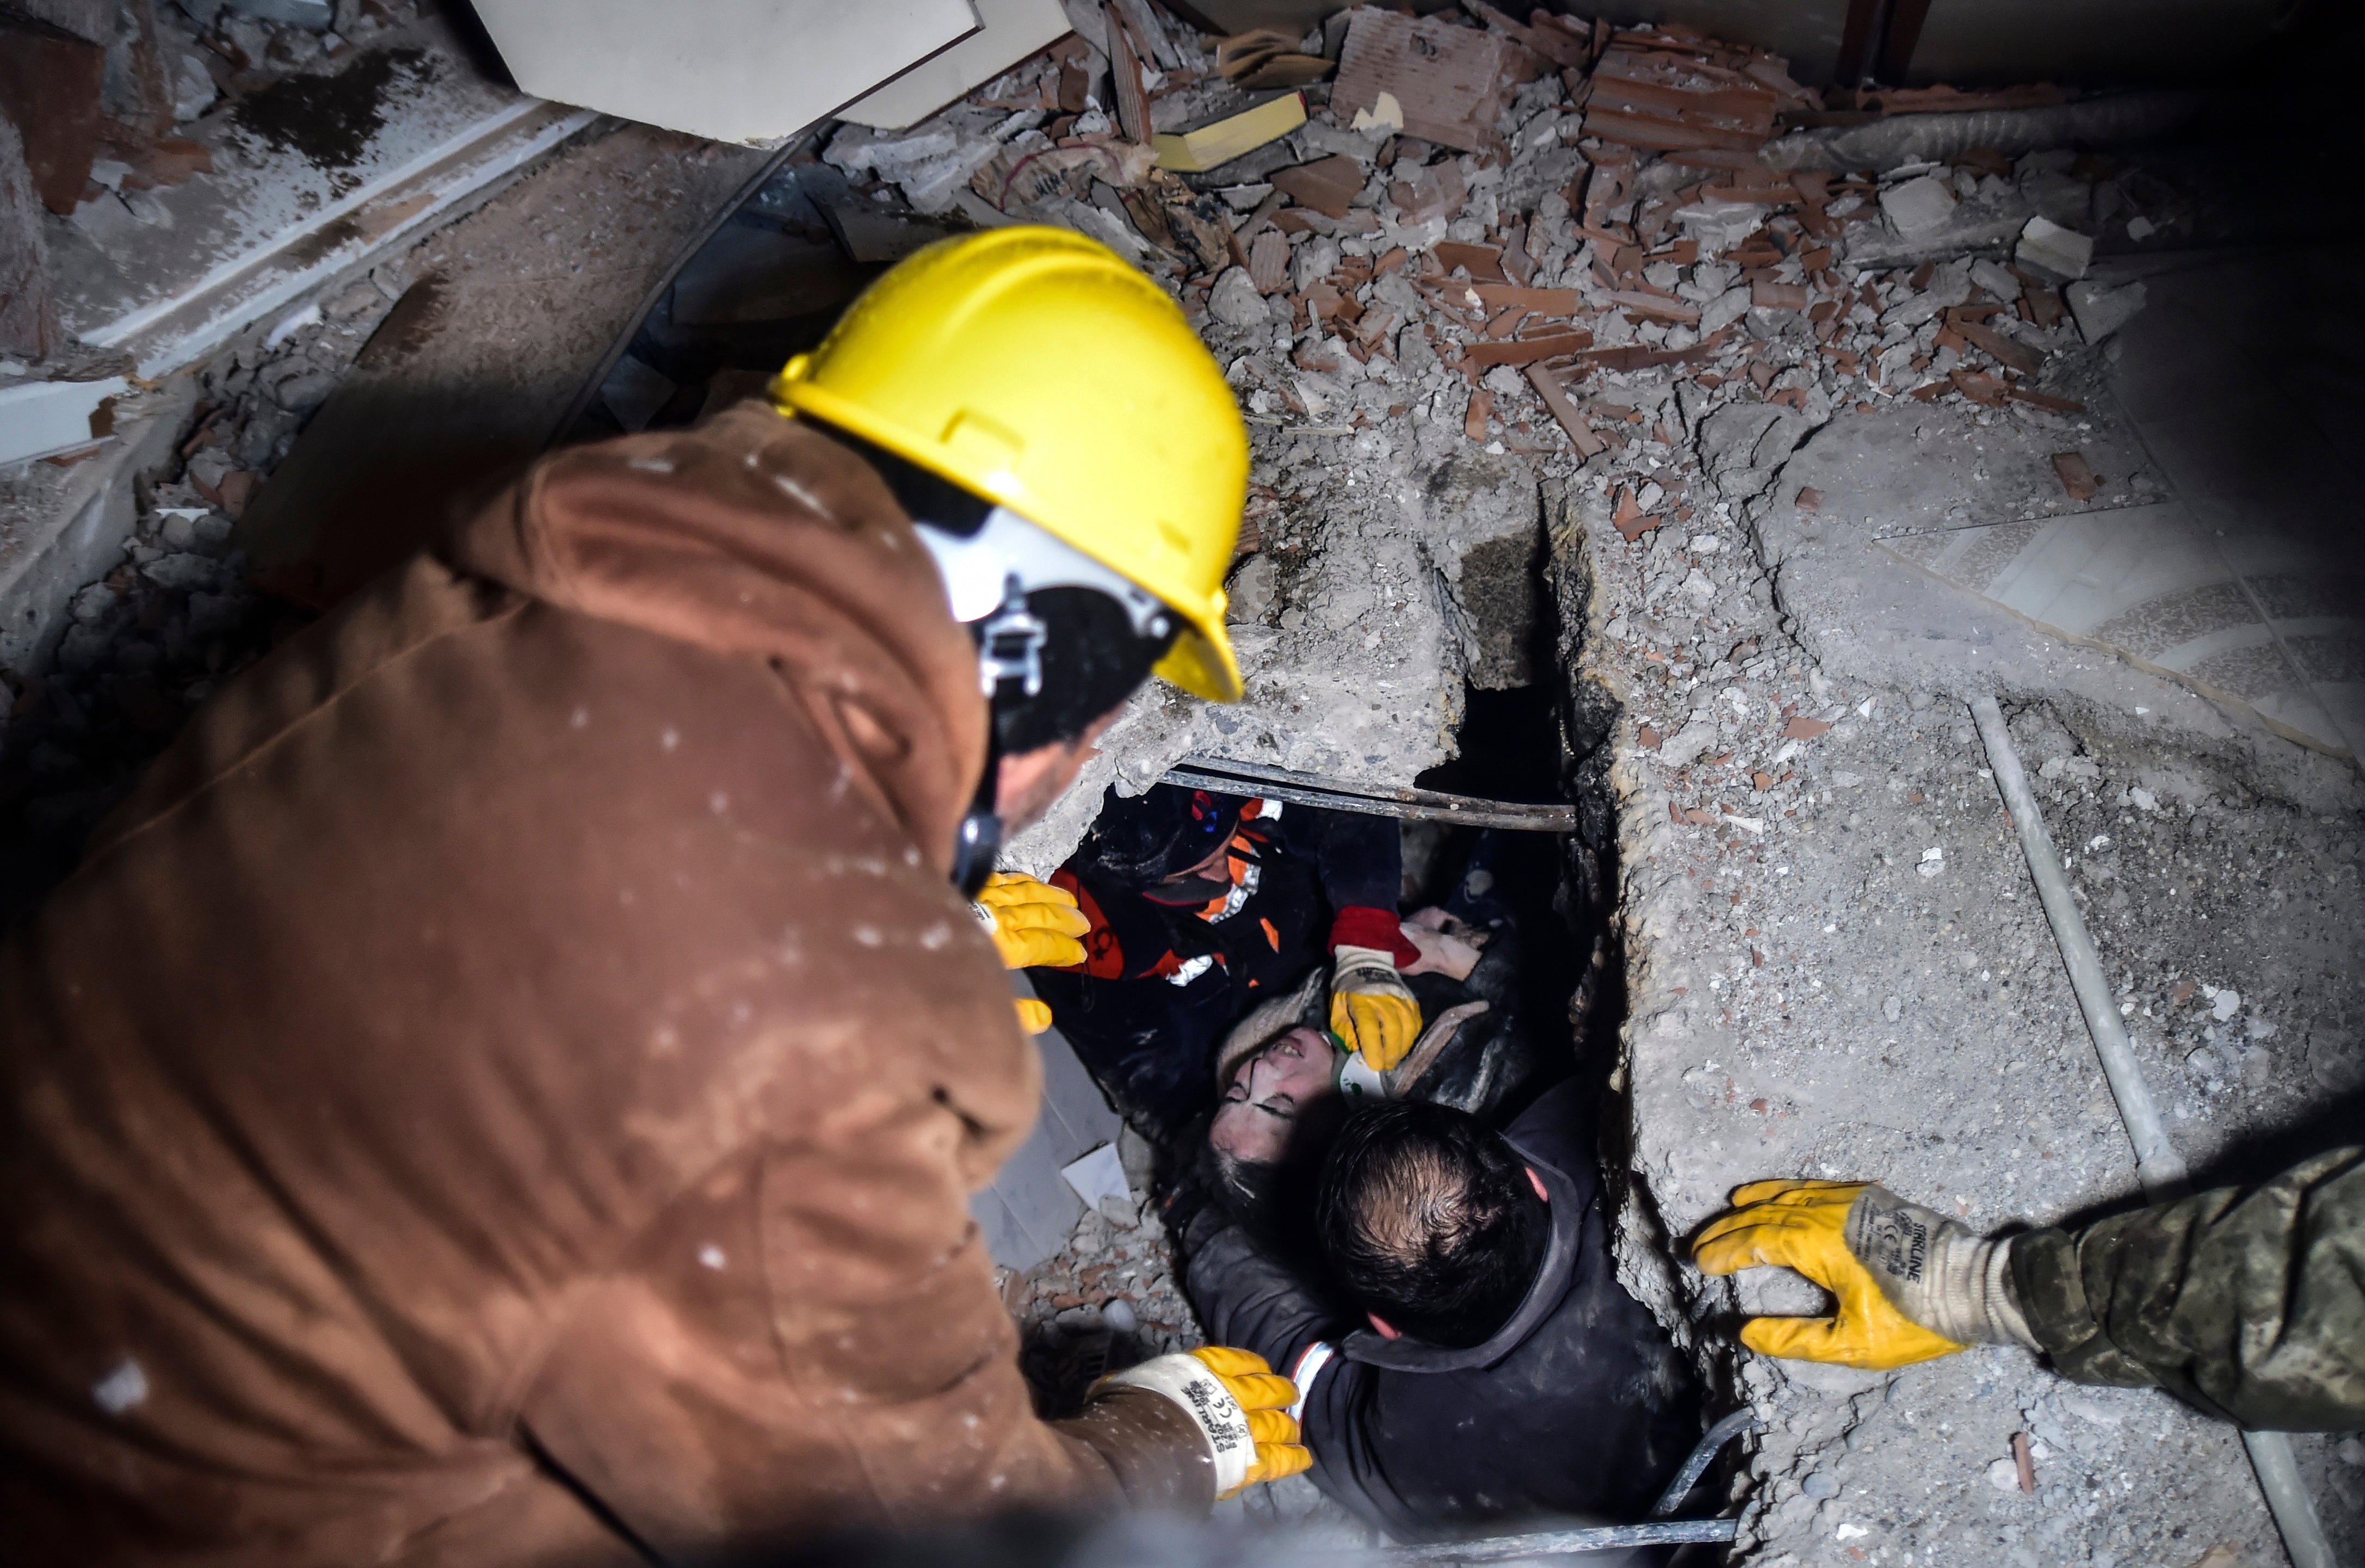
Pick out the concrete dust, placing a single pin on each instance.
(1836, 964)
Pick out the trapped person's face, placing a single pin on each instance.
(1268, 1092)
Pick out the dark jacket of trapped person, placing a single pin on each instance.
(1200, 906)
(506, 1086)
(2244, 1303)
(1486, 1369)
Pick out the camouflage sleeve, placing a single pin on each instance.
(2248, 1303)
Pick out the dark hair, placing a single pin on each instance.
(1273, 1199)
(1092, 658)
(1427, 1218)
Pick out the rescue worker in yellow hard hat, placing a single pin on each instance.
(563, 1049)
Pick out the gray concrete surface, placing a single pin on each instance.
(1834, 964)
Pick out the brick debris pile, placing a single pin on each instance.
(1576, 245)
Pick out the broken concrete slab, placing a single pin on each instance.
(38, 418)
(1918, 205)
(469, 374)
(291, 208)
(1391, 597)
(1008, 31)
(2101, 308)
(64, 528)
(2048, 247)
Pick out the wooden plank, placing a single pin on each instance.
(2076, 477)
(2003, 350)
(1125, 70)
(2046, 401)
(1751, 111)
(1638, 130)
(1657, 307)
(1635, 356)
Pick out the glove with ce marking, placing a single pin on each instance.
(1370, 1009)
(1911, 1284)
(1034, 924)
(1240, 1405)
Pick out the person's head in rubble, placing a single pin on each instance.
(1075, 466)
(1429, 1223)
(1279, 1068)
(1278, 1098)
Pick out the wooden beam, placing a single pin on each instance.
(1903, 31)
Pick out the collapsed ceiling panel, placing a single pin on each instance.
(1008, 30)
(731, 70)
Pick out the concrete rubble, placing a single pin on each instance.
(1524, 344)
(1531, 404)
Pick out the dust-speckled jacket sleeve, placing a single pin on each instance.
(2248, 1303)
(1246, 1299)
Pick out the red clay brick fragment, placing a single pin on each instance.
(2076, 478)
(1473, 424)
(1803, 728)
(1630, 519)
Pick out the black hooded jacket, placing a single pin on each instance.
(1578, 1408)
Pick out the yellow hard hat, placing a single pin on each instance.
(1035, 369)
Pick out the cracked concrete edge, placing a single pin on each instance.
(1648, 901)
(80, 538)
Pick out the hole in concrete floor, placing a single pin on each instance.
(1511, 749)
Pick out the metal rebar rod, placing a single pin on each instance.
(1703, 1454)
(2288, 1500)
(1562, 1542)
(2157, 1165)
(1232, 777)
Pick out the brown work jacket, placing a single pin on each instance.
(509, 1079)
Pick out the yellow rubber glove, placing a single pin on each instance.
(1370, 1009)
(1033, 924)
(1033, 1016)
(1239, 1405)
(1265, 1397)
(1804, 1226)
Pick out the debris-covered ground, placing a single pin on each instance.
(161, 631)
(1580, 346)
(1557, 286)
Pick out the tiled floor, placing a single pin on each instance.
(1029, 1211)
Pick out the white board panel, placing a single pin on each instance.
(729, 70)
(1012, 29)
